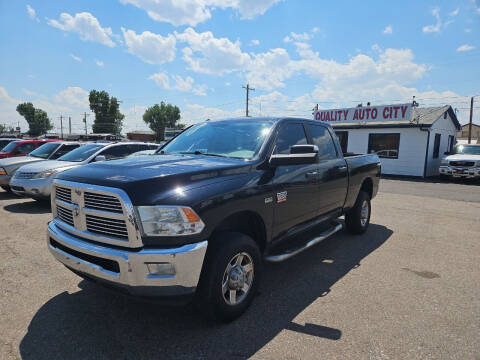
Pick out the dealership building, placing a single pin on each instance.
(409, 140)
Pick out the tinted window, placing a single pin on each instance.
(4, 143)
(467, 149)
(82, 153)
(45, 150)
(343, 140)
(25, 148)
(63, 150)
(321, 137)
(116, 152)
(436, 146)
(289, 135)
(384, 145)
(10, 146)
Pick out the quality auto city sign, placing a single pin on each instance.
(366, 113)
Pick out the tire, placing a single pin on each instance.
(356, 219)
(226, 268)
(6, 188)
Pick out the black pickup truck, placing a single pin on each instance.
(198, 218)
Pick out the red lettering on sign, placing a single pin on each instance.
(385, 113)
(374, 113)
(345, 113)
(355, 115)
(368, 112)
(404, 111)
(327, 117)
(396, 108)
(317, 116)
(361, 114)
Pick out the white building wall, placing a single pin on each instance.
(444, 127)
(411, 154)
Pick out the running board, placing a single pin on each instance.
(314, 241)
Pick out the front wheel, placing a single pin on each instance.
(230, 276)
(357, 218)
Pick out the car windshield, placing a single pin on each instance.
(45, 150)
(231, 138)
(82, 153)
(467, 149)
(10, 146)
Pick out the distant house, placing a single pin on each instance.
(463, 133)
(141, 135)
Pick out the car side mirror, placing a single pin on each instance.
(100, 158)
(299, 154)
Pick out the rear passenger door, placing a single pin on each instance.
(116, 152)
(24, 149)
(295, 186)
(332, 170)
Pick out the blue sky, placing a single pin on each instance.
(198, 54)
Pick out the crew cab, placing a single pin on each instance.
(48, 151)
(22, 147)
(199, 218)
(35, 180)
(464, 162)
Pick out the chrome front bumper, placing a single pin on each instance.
(36, 188)
(134, 270)
(464, 172)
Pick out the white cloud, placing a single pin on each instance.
(437, 26)
(193, 12)
(454, 12)
(193, 113)
(86, 25)
(151, 48)
(32, 13)
(465, 48)
(99, 63)
(180, 84)
(74, 96)
(76, 58)
(388, 30)
(209, 55)
(468, 30)
(255, 42)
(29, 92)
(269, 70)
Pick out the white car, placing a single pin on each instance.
(463, 163)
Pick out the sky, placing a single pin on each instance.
(199, 54)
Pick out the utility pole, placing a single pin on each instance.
(69, 125)
(61, 127)
(248, 88)
(470, 123)
(85, 121)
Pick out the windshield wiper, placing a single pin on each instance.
(197, 152)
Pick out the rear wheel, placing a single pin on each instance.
(357, 218)
(6, 188)
(230, 276)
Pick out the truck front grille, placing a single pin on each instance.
(106, 226)
(64, 214)
(102, 202)
(463, 163)
(64, 194)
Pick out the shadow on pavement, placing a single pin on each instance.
(30, 207)
(97, 323)
(433, 180)
(5, 195)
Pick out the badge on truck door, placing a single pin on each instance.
(281, 197)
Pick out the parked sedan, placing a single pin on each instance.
(48, 151)
(35, 180)
(22, 147)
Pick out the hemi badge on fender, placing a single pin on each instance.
(268, 200)
(281, 197)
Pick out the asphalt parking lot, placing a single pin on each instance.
(407, 289)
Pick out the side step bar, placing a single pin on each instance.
(314, 241)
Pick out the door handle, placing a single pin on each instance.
(311, 174)
(341, 167)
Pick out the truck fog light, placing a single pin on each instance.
(161, 269)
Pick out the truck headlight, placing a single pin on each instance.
(3, 171)
(169, 220)
(444, 162)
(45, 174)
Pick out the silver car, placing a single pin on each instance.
(35, 180)
(48, 151)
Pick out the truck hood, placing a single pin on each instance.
(15, 162)
(49, 165)
(463, 157)
(145, 178)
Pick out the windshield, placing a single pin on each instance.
(82, 153)
(236, 139)
(10, 146)
(44, 151)
(467, 149)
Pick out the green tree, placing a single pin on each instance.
(108, 118)
(37, 119)
(2, 129)
(158, 117)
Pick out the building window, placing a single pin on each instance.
(451, 143)
(343, 139)
(384, 145)
(436, 146)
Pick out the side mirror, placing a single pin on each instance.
(100, 158)
(299, 154)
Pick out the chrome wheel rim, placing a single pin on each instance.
(364, 212)
(237, 279)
